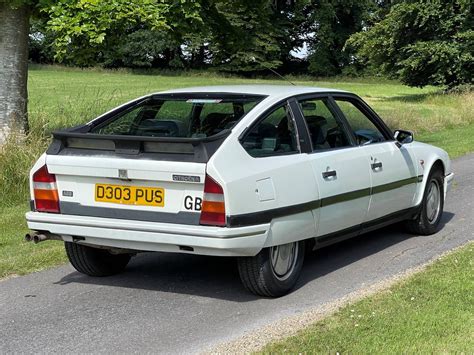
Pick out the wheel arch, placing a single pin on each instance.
(436, 162)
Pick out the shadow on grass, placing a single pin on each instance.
(217, 277)
(412, 98)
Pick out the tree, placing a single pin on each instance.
(332, 23)
(427, 42)
(14, 28)
(84, 25)
(242, 35)
(88, 31)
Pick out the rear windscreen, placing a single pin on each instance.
(186, 116)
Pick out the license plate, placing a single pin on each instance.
(130, 195)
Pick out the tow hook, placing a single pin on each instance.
(37, 237)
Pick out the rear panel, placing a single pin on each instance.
(124, 188)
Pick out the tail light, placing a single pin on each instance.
(45, 191)
(213, 206)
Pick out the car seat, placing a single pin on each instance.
(318, 130)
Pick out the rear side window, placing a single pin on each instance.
(186, 117)
(274, 135)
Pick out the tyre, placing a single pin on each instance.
(94, 261)
(428, 220)
(274, 271)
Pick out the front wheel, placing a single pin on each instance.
(274, 271)
(428, 220)
(95, 262)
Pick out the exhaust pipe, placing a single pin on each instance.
(36, 237)
(39, 238)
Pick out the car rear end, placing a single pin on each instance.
(136, 179)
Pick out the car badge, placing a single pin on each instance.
(123, 174)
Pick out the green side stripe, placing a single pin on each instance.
(352, 195)
(394, 185)
(347, 196)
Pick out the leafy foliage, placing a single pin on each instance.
(421, 42)
(231, 35)
(428, 42)
(243, 34)
(332, 22)
(85, 29)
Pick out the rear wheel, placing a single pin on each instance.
(274, 271)
(428, 220)
(95, 262)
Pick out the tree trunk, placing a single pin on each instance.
(14, 30)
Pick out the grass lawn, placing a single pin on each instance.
(456, 141)
(431, 312)
(18, 257)
(60, 97)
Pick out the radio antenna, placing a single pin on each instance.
(273, 71)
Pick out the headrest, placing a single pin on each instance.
(160, 128)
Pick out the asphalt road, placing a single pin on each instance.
(181, 303)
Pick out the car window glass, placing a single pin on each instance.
(364, 129)
(122, 125)
(325, 130)
(186, 117)
(274, 135)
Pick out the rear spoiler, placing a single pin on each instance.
(77, 141)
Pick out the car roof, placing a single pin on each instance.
(268, 90)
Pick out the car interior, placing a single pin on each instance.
(177, 119)
(274, 135)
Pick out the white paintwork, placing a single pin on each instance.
(152, 236)
(250, 185)
(397, 164)
(352, 174)
(448, 182)
(80, 174)
(429, 155)
(265, 189)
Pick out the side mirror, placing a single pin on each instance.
(403, 136)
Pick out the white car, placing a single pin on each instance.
(255, 172)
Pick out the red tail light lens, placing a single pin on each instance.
(45, 191)
(213, 206)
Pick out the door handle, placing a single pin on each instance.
(328, 174)
(377, 165)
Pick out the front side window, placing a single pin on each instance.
(365, 131)
(274, 135)
(325, 130)
(185, 117)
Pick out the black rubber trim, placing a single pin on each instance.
(182, 217)
(339, 235)
(198, 151)
(303, 133)
(391, 218)
(354, 231)
(262, 217)
(255, 218)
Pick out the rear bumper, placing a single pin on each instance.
(151, 236)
